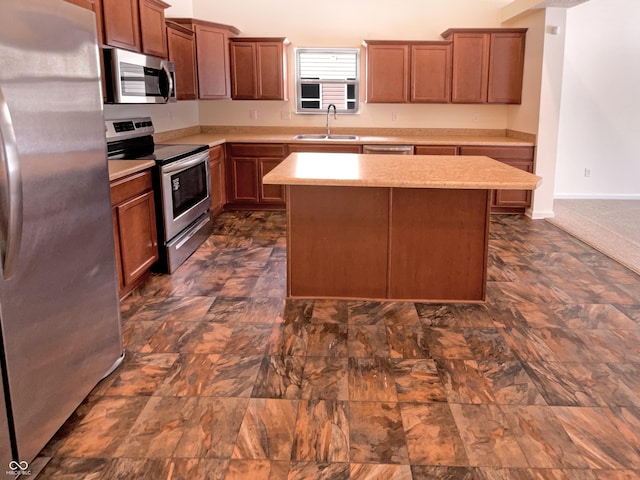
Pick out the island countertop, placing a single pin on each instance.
(402, 171)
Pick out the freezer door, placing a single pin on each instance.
(59, 307)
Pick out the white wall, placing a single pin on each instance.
(600, 111)
(307, 25)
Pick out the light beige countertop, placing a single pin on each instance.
(404, 171)
(213, 139)
(121, 168)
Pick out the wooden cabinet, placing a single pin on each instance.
(134, 225)
(436, 149)
(182, 52)
(212, 54)
(388, 72)
(246, 165)
(431, 72)
(258, 68)
(324, 148)
(216, 172)
(153, 32)
(487, 65)
(403, 72)
(507, 201)
(136, 25)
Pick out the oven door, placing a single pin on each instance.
(185, 192)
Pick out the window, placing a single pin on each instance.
(325, 77)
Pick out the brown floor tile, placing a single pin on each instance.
(224, 378)
(212, 428)
(279, 377)
(370, 379)
(322, 431)
(325, 378)
(102, 430)
(417, 381)
(487, 437)
(267, 430)
(598, 439)
(431, 435)
(376, 433)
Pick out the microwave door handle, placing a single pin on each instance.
(11, 178)
(169, 83)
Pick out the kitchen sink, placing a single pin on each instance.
(321, 136)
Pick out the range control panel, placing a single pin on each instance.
(128, 128)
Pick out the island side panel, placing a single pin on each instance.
(438, 244)
(337, 241)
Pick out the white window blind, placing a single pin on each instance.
(327, 76)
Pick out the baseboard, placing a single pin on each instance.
(538, 215)
(596, 196)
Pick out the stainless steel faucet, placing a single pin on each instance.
(335, 116)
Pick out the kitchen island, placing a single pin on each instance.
(390, 227)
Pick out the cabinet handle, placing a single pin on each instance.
(11, 180)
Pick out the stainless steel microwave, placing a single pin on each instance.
(135, 78)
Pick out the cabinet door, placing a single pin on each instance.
(122, 24)
(244, 76)
(514, 198)
(182, 54)
(387, 73)
(116, 238)
(270, 193)
(519, 157)
(506, 62)
(138, 239)
(269, 61)
(216, 172)
(244, 180)
(470, 74)
(212, 45)
(431, 73)
(152, 28)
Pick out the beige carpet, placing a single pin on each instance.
(610, 226)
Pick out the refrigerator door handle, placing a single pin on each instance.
(11, 183)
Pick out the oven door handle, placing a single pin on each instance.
(183, 164)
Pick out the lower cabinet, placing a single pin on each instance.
(218, 186)
(324, 148)
(134, 227)
(507, 201)
(246, 164)
(436, 149)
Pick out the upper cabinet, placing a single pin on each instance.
(258, 68)
(212, 57)
(403, 72)
(487, 64)
(152, 27)
(136, 25)
(182, 52)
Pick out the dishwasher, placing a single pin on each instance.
(388, 149)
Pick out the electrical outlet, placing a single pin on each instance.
(394, 116)
(253, 114)
(285, 115)
(587, 172)
(476, 117)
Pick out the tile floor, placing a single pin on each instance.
(224, 379)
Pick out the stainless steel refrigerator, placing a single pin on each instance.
(60, 321)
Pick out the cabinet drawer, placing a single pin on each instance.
(436, 149)
(257, 149)
(499, 153)
(297, 147)
(130, 186)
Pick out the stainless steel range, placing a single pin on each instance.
(181, 186)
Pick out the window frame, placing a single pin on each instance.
(299, 81)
